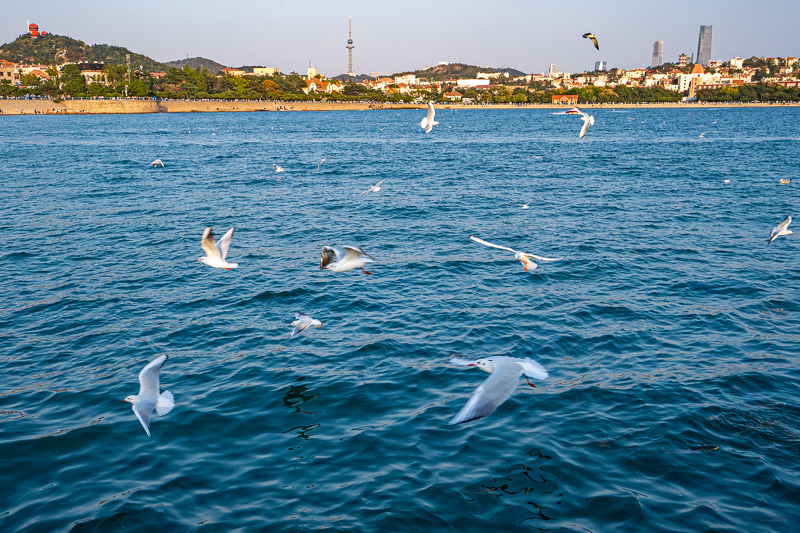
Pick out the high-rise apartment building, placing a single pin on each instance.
(600, 65)
(704, 45)
(658, 53)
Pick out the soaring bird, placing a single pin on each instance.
(278, 168)
(785, 181)
(217, 252)
(148, 397)
(428, 123)
(157, 162)
(322, 161)
(780, 229)
(374, 188)
(587, 121)
(593, 37)
(525, 259)
(505, 373)
(303, 321)
(344, 259)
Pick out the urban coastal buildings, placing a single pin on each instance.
(704, 45)
(658, 53)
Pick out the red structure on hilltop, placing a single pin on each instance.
(34, 29)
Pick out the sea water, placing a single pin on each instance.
(669, 325)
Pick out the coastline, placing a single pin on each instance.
(134, 106)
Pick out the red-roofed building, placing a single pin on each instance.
(565, 99)
(34, 29)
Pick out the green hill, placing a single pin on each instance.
(198, 63)
(55, 49)
(456, 71)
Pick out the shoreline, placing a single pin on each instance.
(134, 106)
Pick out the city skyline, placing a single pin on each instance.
(704, 45)
(658, 53)
(396, 38)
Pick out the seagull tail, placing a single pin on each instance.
(165, 403)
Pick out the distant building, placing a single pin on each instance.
(92, 72)
(408, 79)
(265, 71)
(311, 72)
(565, 99)
(8, 71)
(34, 29)
(658, 53)
(600, 65)
(682, 59)
(553, 70)
(737, 62)
(704, 45)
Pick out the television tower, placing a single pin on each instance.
(350, 70)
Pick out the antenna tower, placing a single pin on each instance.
(350, 70)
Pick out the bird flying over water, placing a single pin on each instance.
(498, 387)
(302, 322)
(593, 38)
(149, 397)
(217, 252)
(156, 163)
(525, 259)
(587, 121)
(277, 168)
(344, 258)
(428, 123)
(322, 161)
(780, 229)
(374, 188)
(785, 181)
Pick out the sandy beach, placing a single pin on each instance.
(133, 106)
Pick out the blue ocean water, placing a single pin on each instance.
(669, 325)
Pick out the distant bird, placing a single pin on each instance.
(322, 161)
(383, 128)
(344, 258)
(374, 188)
(593, 38)
(525, 259)
(780, 229)
(785, 181)
(217, 252)
(505, 373)
(156, 163)
(587, 121)
(302, 322)
(701, 134)
(428, 123)
(148, 397)
(523, 206)
(726, 181)
(277, 168)
(536, 156)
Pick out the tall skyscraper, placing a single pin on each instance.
(658, 53)
(704, 45)
(350, 70)
(600, 65)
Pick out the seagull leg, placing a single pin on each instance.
(531, 384)
(365, 272)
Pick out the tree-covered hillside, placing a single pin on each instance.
(55, 49)
(457, 70)
(198, 63)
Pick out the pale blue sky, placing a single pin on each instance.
(411, 34)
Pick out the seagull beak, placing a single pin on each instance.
(472, 364)
(319, 327)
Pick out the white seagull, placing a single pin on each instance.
(216, 253)
(428, 123)
(505, 373)
(148, 397)
(780, 229)
(322, 161)
(524, 258)
(344, 259)
(588, 120)
(785, 181)
(523, 206)
(277, 168)
(374, 188)
(157, 162)
(302, 322)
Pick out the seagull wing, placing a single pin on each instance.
(225, 242)
(491, 393)
(476, 239)
(148, 378)
(209, 246)
(302, 326)
(594, 40)
(785, 223)
(540, 258)
(584, 128)
(379, 183)
(431, 113)
(329, 255)
(355, 252)
(365, 192)
(142, 410)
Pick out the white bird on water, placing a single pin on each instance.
(344, 258)
(277, 168)
(428, 123)
(785, 181)
(525, 259)
(157, 162)
(505, 373)
(148, 397)
(780, 229)
(216, 253)
(587, 121)
(322, 161)
(303, 321)
(374, 188)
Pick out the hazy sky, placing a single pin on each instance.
(411, 34)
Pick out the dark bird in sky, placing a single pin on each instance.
(593, 37)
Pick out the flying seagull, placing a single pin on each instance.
(428, 123)
(523, 206)
(344, 258)
(374, 188)
(785, 181)
(588, 120)
(216, 253)
(157, 162)
(148, 397)
(593, 37)
(780, 229)
(277, 168)
(498, 387)
(302, 322)
(322, 161)
(525, 259)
